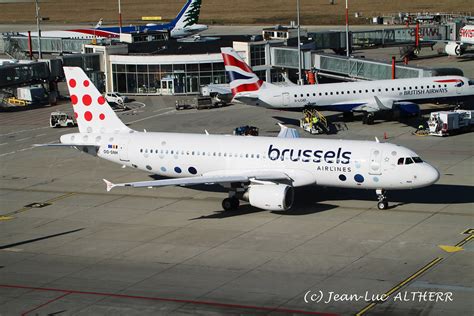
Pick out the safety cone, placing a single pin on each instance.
(385, 135)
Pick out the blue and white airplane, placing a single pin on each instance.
(185, 24)
(261, 170)
(368, 97)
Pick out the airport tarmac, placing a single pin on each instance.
(67, 247)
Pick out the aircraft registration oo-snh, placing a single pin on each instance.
(260, 170)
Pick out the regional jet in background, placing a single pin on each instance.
(401, 96)
(184, 25)
(466, 39)
(261, 170)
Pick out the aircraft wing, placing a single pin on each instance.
(236, 176)
(375, 104)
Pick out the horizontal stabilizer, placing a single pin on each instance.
(66, 145)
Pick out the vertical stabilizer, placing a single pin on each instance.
(93, 113)
(241, 76)
(189, 14)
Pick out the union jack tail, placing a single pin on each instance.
(241, 76)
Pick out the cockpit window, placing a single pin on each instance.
(400, 161)
(471, 82)
(417, 159)
(408, 161)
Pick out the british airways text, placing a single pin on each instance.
(317, 156)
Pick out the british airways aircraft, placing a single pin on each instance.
(399, 95)
(261, 170)
(185, 24)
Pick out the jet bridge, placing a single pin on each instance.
(400, 36)
(48, 45)
(341, 67)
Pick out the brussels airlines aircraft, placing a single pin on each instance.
(185, 24)
(261, 170)
(367, 97)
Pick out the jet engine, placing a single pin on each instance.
(270, 196)
(454, 49)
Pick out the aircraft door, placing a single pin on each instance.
(459, 87)
(375, 167)
(285, 98)
(124, 147)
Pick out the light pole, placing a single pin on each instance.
(347, 30)
(38, 18)
(120, 17)
(300, 75)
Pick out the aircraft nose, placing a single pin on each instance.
(431, 175)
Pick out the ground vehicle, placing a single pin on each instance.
(445, 123)
(116, 97)
(246, 131)
(197, 103)
(312, 126)
(61, 119)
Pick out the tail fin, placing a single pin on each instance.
(241, 76)
(93, 113)
(189, 14)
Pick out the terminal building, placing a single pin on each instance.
(177, 67)
(153, 64)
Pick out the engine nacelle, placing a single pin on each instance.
(454, 49)
(271, 196)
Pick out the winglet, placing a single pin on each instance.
(287, 132)
(109, 184)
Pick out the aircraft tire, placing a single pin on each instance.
(370, 119)
(229, 204)
(383, 205)
(235, 203)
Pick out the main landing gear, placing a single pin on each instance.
(368, 118)
(382, 197)
(231, 203)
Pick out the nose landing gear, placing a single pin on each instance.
(382, 204)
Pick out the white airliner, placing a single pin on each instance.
(466, 39)
(399, 95)
(261, 170)
(183, 25)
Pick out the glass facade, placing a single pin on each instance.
(166, 79)
(285, 58)
(257, 55)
